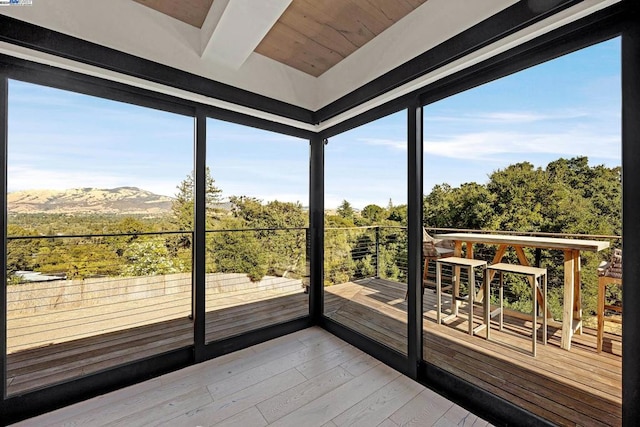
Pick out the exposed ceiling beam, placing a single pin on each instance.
(233, 29)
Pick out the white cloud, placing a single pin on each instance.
(238, 133)
(26, 178)
(486, 145)
(514, 117)
(21, 177)
(390, 143)
(507, 118)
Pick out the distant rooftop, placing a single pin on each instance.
(34, 276)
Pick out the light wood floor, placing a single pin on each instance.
(308, 378)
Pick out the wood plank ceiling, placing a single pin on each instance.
(314, 35)
(192, 12)
(311, 35)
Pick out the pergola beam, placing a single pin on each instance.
(233, 29)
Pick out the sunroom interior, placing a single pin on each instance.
(303, 79)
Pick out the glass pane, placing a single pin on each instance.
(365, 253)
(95, 260)
(256, 229)
(528, 167)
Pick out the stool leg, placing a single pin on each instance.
(487, 303)
(535, 317)
(425, 273)
(600, 332)
(501, 302)
(544, 311)
(472, 290)
(438, 292)
(456, 289)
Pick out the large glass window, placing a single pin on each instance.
(98, 269)
(257, 193)
(526, 171)
(365, 253)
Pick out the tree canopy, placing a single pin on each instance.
(182, 205)
(568, 196)
(345, 210)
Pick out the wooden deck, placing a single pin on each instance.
(111, 339)
(577, 387)
(567, 388)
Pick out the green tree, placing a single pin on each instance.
(149, 258)
(473, 207)
(182, 213)
(78, 258)
(437, 210)
(21, 252)
(284, 248)
(398, 214)
(339, 266)
(345, 210)
(373, 213)
(237, 251)
(338, 221)
(182, 205)
(129, 226)
(521, 196)
(393, 254)
(469, 206)
(600, 187)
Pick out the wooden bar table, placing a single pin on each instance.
(572, 312)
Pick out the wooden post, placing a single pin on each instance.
(577, 293)
(567, 306)
(469, 250)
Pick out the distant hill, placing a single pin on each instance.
(121, 200)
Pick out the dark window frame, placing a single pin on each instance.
(52, 397)
(619, 19)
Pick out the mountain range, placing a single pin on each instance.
(121, 200)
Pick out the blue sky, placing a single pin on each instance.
(564, 108)
(60, 140)
(257, 163)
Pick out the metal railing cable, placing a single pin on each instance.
(97, 303)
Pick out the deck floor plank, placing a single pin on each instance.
(559, 397)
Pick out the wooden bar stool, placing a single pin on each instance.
(610, 273)
(430, 254)
(470, 265)
(603, 282)
(537, 278)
